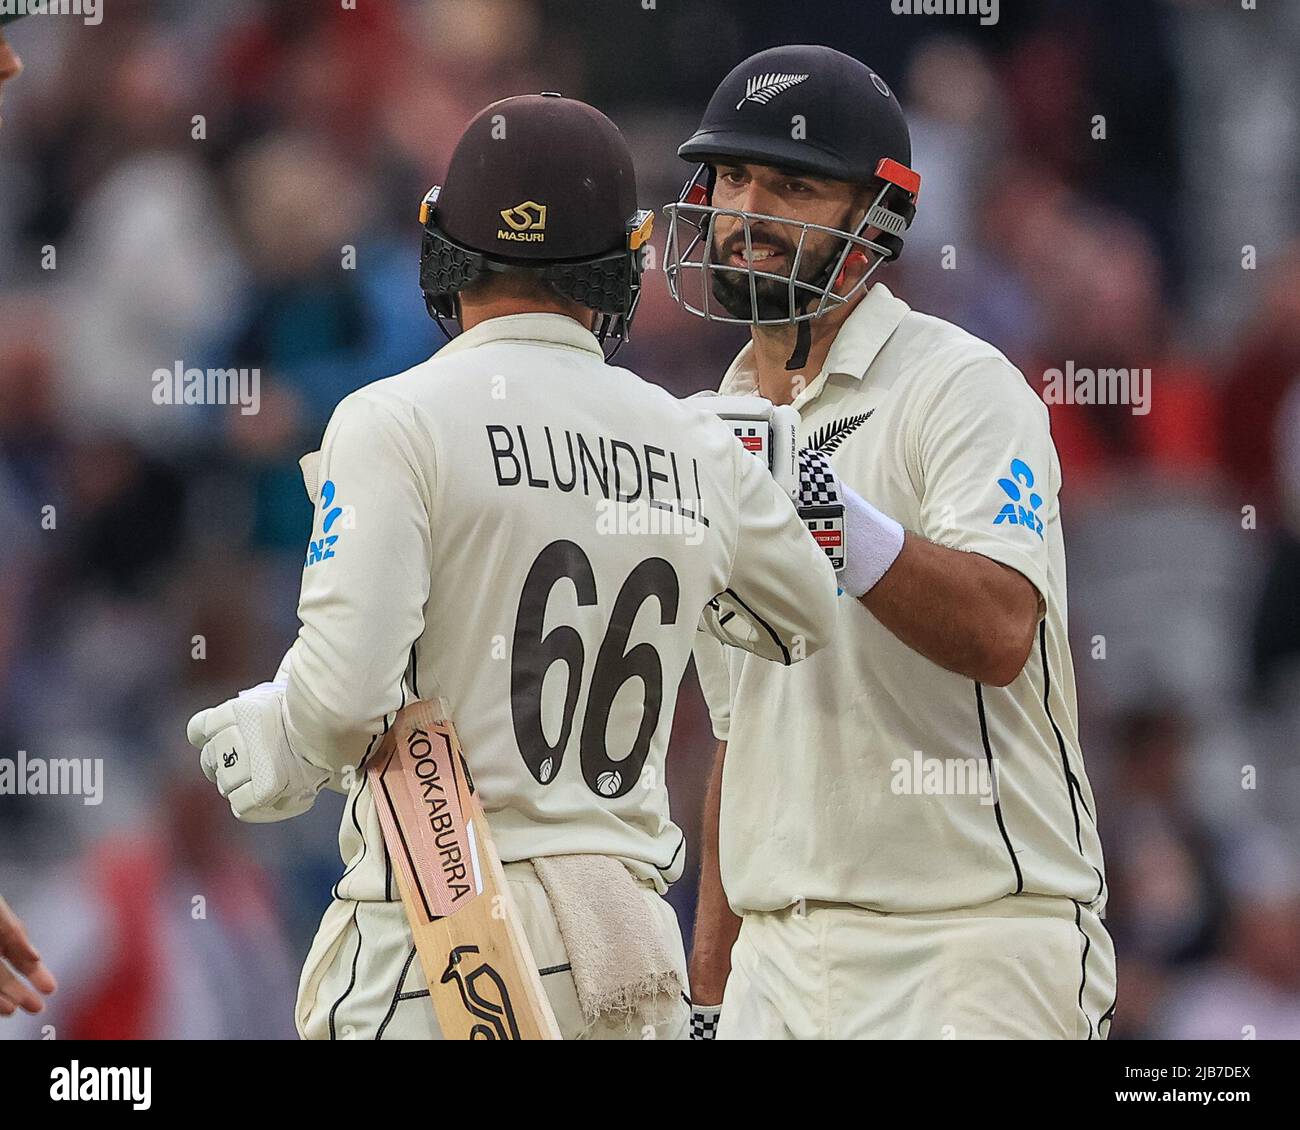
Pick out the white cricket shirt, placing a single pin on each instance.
(866, 774)
(531, 534)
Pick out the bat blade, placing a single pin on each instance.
(483, 980)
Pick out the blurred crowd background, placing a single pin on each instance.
(279, 232)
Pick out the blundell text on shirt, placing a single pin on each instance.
(607, 467)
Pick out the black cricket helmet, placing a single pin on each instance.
(809, 109)
(544, 185)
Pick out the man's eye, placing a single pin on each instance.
(734, 177)
(798, 187)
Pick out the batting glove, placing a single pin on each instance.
(246, 754)
(766, 430)
(859, 541)
(821, 504)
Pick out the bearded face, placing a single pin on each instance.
(771, 255)
(734, 243)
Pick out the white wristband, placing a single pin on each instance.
(873, 542)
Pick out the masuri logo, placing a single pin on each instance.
(526, 223)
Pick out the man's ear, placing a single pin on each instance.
(856, 264)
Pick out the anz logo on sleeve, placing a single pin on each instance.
(1021, 509)
(322, 549)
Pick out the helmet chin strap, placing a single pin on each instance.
(803, 330)
(802, 345)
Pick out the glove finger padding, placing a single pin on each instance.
(202, 731)
(767, 431)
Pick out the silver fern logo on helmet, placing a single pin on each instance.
(763, 88)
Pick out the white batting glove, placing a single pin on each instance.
(860, 542)
(246, 754)
(767, 431)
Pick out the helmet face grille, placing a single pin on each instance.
(692, 271)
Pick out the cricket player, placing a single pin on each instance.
(529, 534)
(903, 838)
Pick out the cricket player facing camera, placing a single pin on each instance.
(905, 842)
(528, 534)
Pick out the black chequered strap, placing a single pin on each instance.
(821, 505)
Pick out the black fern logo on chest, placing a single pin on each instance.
(829, 436)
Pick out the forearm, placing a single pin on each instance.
(963, 611)
(715, 926)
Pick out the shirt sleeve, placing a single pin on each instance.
(365, 583)
(782, 589)
(715, 682)
(987, 468)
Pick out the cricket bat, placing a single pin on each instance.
(483, 981)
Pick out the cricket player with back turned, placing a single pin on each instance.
(470, 548)
(903, 836)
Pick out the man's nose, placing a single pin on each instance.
(757, 198)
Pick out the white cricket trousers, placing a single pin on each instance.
(1024, 967)
(362, 980)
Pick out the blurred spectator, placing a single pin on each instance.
(165, 933)
(1244, 181)
(1252, 990)
(1264, 366)
(1165, 905)
(1261, 411)
(150, 277)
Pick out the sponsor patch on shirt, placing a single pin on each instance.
(1021, 509)
(322, 549)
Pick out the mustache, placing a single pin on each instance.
(735, 244)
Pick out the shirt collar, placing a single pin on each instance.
(859, 341)
(531, 329)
